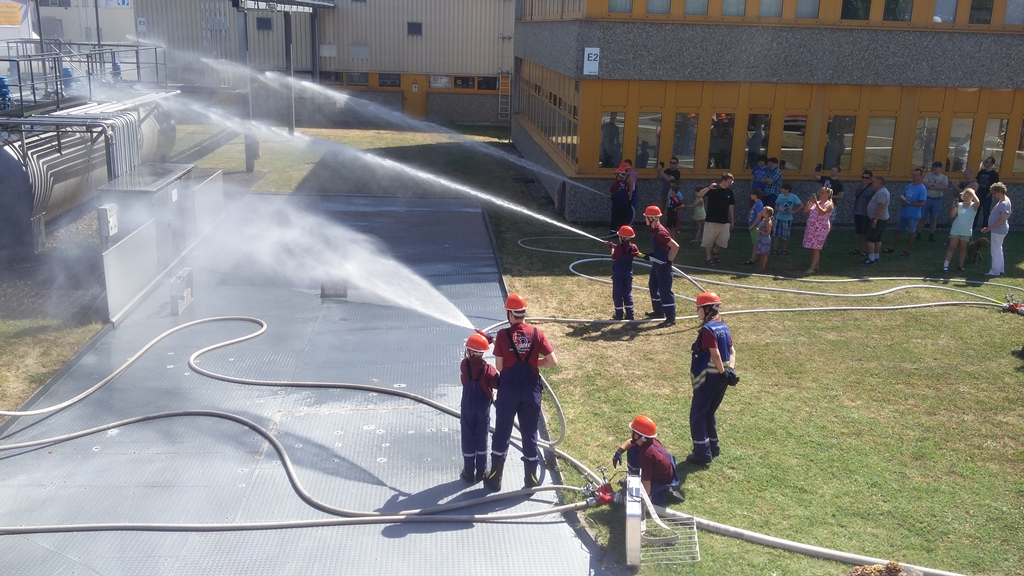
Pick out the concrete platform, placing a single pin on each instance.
(356, 450)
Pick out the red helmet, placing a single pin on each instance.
(653, 211)
(708, 299)
(478, 343)
(515, 303)
(623, 168)
(644, 426)
(627, 232)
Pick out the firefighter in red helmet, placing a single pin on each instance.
(663, 250)
(646, 457)
(712, 370)
(519, 351)
(622, 272)
(479, 379)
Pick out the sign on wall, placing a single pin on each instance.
(10, 14)
(117, 3)
(591, 59)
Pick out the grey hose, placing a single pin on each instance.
(791, 546)
(293, 479)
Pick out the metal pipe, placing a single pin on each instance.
(99, 43)
(289, 64)
(314, 33)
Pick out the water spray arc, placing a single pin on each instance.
(393, 117)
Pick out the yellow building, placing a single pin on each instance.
(880, 85)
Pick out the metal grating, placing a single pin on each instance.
(683, 548)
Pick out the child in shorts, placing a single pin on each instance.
(699, 214)
(764, 231)
(786, 205)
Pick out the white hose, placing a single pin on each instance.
(791, 546)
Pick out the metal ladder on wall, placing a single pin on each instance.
(505, 95)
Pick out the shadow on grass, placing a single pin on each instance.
(1020, 356)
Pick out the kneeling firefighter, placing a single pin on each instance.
(712, 370)
(646, 457)
(519, 351)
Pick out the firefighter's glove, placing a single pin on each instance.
(731, 378)
(617, 459)
(610, 243)
(645, 256)
(490, 339)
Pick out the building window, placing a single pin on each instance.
(658, 6)
(415, 28)
(685, 140)
(443, 82)
(945, 11)
(357, 79)
(696, 7)
(359, 52)
(757, 137)
(734, 7)
(620, 6)
(612, 124)
(773, 9)
(648, 139)
(1014, 13)
(838, 142)
(466, 82)
(855, 10)
(924, 143)
(981, 12)
(264, 24)
(720, 150)
(995, 135)
(794, 127)
(1018, 159)
(57, 3)
(363, 1)
(959, 144)
(807, 9)
(878, 148)
(897, 10)
(487, 83)
(389, 80)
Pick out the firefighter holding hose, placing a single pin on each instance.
(663, 251)
(519, 351)
(712, 370)
(479, 379)
(646, 457)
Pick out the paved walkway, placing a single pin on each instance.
(355, 450)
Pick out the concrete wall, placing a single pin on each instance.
(462, 108)
(709, 52)
(583, 205)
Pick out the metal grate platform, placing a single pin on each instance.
(682, 549)
(357, 450)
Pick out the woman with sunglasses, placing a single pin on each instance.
(999, 226)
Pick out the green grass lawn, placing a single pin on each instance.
(895, 434)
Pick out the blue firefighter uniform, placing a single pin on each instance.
(622, 278)
(660, 282)
(708, 388)
(478, 382)
(519, 394)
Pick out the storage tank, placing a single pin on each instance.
(51, 164)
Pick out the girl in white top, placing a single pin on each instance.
(963, 212)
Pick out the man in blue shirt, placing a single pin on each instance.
(912, 201)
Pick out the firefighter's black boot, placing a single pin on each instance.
(531, 479)
(493, 478)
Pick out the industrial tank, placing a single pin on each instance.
(51, 164)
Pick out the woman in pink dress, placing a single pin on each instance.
(818, 209)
